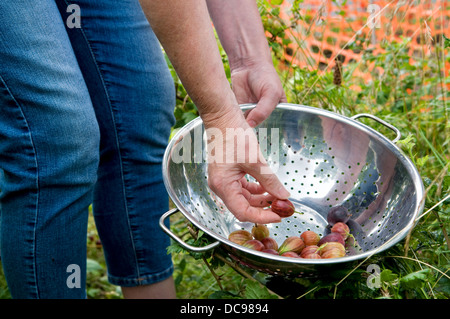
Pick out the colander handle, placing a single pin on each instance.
(178, 240)
(377, 119)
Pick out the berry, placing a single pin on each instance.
(352, 246)
(283, 207)
(292, 243)
(342, 229)
(254, 244)
(270, 251)
(310, 238)
(240, 236)
(269, 243)
(331, 246)
(338, 214)
(311, 256)
(260, 231)
(312, 249)
(355, 228)
(290, 254)
(333, 253)
(332, 237)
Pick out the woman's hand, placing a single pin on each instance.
(234, 152)
(258, 83)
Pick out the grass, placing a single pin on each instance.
(411, 95)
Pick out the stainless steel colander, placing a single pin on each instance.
(324, 159)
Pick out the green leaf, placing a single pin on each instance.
(443, 284)
(381, 98)
(93, 266)
(276, 11)
(387, 276)
(178, 279)
(446, 42)
(416, 279)
(276, 2)
(421, 161)
(188, 116)
(408, 142)
(446, 183)
(254, 290)
(182, 264)
(175, 248)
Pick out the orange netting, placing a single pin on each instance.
(332, 29)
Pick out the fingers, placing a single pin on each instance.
(267, 103)
(256, 200)
(256, 194)
(260, 216)
(247, 201)
(239, 204)
(253, 188)
(262, 110)
(268, 180)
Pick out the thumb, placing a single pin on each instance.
(262, 110)
(269, 181)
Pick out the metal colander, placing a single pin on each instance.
(324, 159)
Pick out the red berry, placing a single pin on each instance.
(332, 237)
(332, 245)
(270, 243)
(312, 249)
(254, 244)
(310, 238)
(240, 236)
(290, 254)
(333, 253)
(283, 207)
(270, 251)
(292, 243)
(312, 256)
(342, 229)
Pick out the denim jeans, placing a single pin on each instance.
(85, 116)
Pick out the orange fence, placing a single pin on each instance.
(334, 29)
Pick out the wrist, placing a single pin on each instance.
(241, 60)
(220, 111)
(225, 118)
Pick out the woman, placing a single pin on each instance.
(86, 113)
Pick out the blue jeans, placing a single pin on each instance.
(85, 116)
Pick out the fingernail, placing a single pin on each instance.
(252, 123)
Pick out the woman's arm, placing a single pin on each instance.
(242, 36)
(240, 30)
(185, 31)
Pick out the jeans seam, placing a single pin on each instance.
(37, 181)
(144, 280)
(122, 171)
